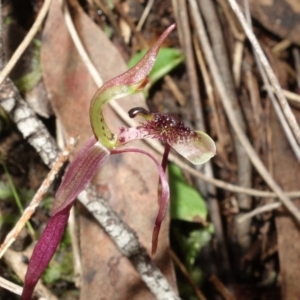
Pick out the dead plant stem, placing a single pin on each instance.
(284, 123)
(269, 72)
(14, 261)
(1, 39)
(291, 207)
(259, 210)
(208, 191)
(244, 168)
(185, 272)
(10, 286)
(221, 288)
(145, 14)
(27, 40)
(28, 212)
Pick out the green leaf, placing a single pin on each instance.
(31, 79)
(196, 241)
(5, 191)
(186, 203)
(167, 60)
(52, 274)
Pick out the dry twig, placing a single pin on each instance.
(30, 209)
(10, 286)
(244, 168)
(145, 15)
(208, 191)
(284, 123)
(185, 272)
(221, 288)
(290, 117)
(75, 248)
(27, 40)
(259, 210)
(291, 207)
(14, 260)
(296, 56)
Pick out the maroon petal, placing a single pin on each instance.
(80, 172)
(82, 169)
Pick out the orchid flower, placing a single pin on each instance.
(195, 146)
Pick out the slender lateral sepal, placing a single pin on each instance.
(44, 250)
(164, 194)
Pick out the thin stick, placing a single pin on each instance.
(237, 61)
(185, 272)
(1, 39)
(284, 123)
(142, 41)
(190, 65)
(218, 183)
(79, 46)
(27, 40)
(259, 210)
(75, 248)
(281, 46)
(209, 91)
(288, 94)
(144, 15)
(291, 207)
(208, 191)
(28, 212)
(232, 21)
(270, 74)
(10, 286)
(221, 288)
(14, 261)
(109, 14)
(292, 96)
(296, 56)
(244, 169)
(173, 87)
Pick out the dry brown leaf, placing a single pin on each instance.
(281, 17)
(128, 182)
(287, 174)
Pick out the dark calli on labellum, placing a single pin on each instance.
(195, 146)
